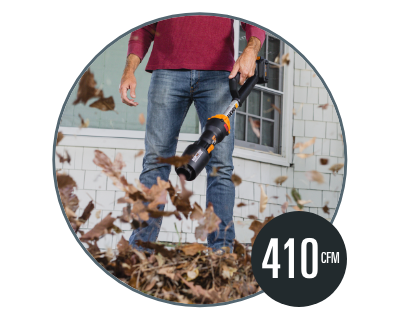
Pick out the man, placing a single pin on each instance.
(192, 61)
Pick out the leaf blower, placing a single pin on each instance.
(218, 126)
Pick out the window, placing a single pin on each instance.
(258, 107)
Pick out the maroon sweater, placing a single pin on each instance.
(192, 42)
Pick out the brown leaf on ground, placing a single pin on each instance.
(140, 153)
(323, 161)
(303, 145)
(276, 108)
(256, 226)
(280, 180)
(255, 126)
(263, 199)
(176, 161)
(60, 136)
(207, 224)
(158, 248)
(336, 167)
(104, 104)
(316, 176)
(86, 89)
(142, 120)
(103, 227)
(192, 249)
(324, 106)
(236, 180)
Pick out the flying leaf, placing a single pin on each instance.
(280, 180)
(296, 196)
(255, 126)
(236, 180)
(323, 161)
(142, 120)
(336, 167)
(86, 89)
(140, 153)
(104, 104)
(98, 214)
(316, 176)
(276, 108)
(241, 205)
(324, 106)
(285, 59)
(304, 156)
(103, 227)
(284, 207)
(60, 136)
(263, 199)
(207, 224)
(303, 202)
(176, 161)
(302, 146)
(62, 159)
(84, 123)
(256, 226)
(326, 208)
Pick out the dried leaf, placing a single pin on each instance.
(84, 123)
(324, 106)
(316, 176)
(276, 108)
(87, 212)
(263, 199)
(140, 153)
(142, 120)
(323, 161)
(207, 224)
(104, 104)
(236, 180)
(192, 249)
(185, 193)
(241, 204)
(98, 214)
(256, 226)
(62, 159)
(296, 196)
(297, 208)
(284, 207)
(303, 202)
(86, 89)
(214, 172)
(336, 167)
(304, 156)
(255, 126)
(103, 227)
(177, 161)
(285, 59)
(326, 208)
(302, 146)
(60, 136)
(280, 180)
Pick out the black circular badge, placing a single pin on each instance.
(299, 259)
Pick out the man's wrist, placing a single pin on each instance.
(253, 45)
(132, 62)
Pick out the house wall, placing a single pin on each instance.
(308, 122)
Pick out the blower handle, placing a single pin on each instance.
(260, 77)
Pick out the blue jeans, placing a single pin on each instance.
(170, 95)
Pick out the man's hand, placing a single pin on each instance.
(246, 63)
(128, 80)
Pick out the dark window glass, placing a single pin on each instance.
(273, 78)
(254, 103)
(267, 133)
(273, 48)
(268, 111)
(240, 125)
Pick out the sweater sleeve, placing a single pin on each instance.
(252, 31)
(140, 40)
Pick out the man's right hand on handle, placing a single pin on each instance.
(128, 80)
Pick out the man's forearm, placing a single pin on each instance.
(132, 62)
(253, 45)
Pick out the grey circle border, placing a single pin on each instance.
(123, 35)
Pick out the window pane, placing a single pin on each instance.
(251, 136)
(267, 133)
(240, 125)
(242, 39)
(273, 48)
(273, 78)
(268, 111)
(254, 103)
